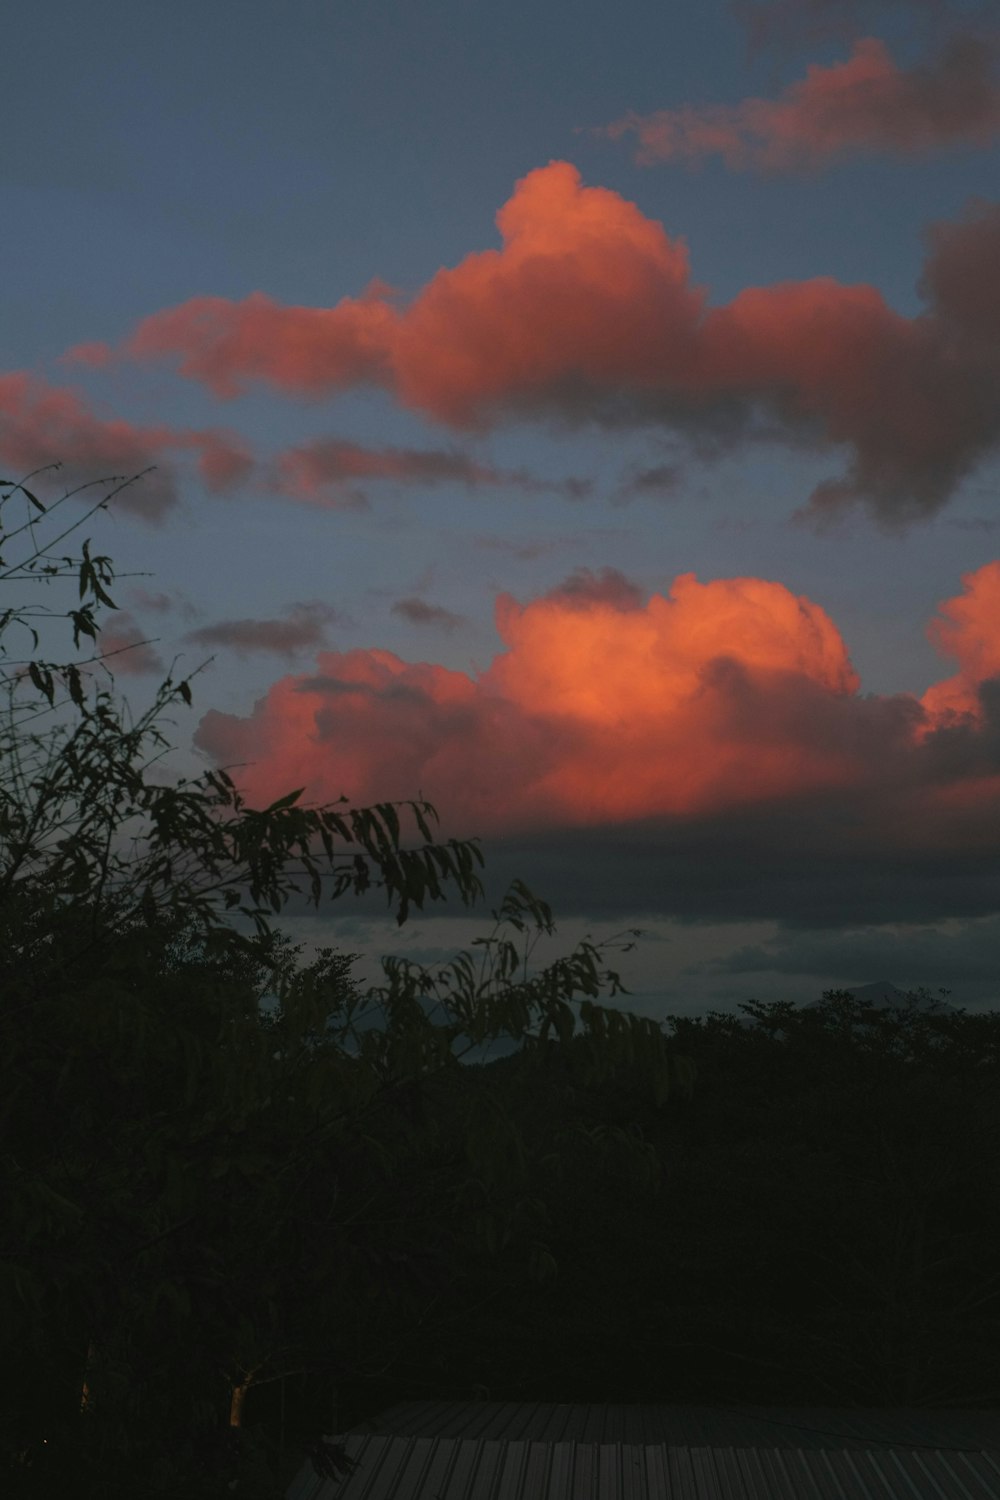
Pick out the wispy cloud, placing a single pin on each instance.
(863, 106)
(420, 612)
(42, 424)
(123, 640)
(656, 481)
(964, 950)
(303, 629)
(331, 471)
(790, 22)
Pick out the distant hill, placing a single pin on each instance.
(885, 995)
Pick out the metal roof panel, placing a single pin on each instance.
(396, 1467)
(694, 1426)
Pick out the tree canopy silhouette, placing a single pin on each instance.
(203, 1196)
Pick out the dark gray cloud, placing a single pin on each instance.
(824, 862)
(330, 470)
(420, 612)
(657, 481)
(584, 588)
(303, 629)
(964, 951)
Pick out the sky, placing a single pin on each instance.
(584, 417)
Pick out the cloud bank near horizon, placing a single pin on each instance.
(720, 704)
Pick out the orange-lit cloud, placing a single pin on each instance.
(304, 348)
(603, 710)
(705, 752)
(599, 709)
(861, 106)
(588, 313)
(967, 628)
(586, 290)
(41, 424)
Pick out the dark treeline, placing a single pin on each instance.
(824, 1227)
(812, 1217)
(226, 1228)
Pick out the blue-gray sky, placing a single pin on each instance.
(678, 326)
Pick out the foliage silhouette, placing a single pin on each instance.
(205, 1198)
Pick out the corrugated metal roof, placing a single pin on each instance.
(407, 1468)
(437, 1450)
(690, 1426)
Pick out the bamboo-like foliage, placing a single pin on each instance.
(202, 1197)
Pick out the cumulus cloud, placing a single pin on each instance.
(329, 471)
(720, 720)
(419, 612)
(597, 710)
(42, 424)
(588, 314)
(967, 629)
(862, 106)
(303, 629)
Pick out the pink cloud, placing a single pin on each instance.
(94, 356)
(41, 424)
(123, 640)
(224, 344)
(588, 313)
(864, 105)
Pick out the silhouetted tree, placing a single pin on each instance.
(201, 1197)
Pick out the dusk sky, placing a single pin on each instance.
(585, 417)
